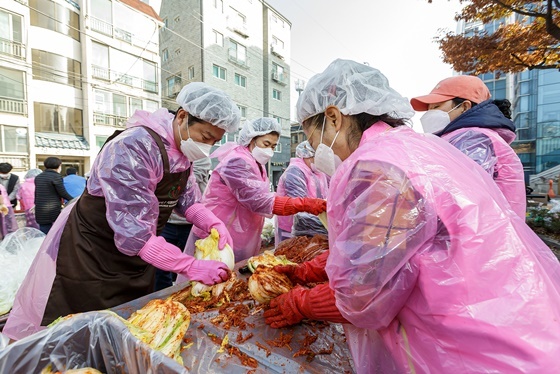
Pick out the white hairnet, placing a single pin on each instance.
(305, 150)
(210, 104)
(353, 88)
(32, 173)
(258, 127)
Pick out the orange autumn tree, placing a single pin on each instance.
(531, 41)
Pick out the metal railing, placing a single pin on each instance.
(101, 26)
(13, 106)
(108, 119)
(232, 56)
(103, 73)
(9, 47)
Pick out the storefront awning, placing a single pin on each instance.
(63, 141)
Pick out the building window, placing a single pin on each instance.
(219, 72)
(149, 76)
(218, 38)
(174, 85)
(237, 53)
(191, 72)
(151, 106)
(111, 108)
(243, 111)
(278, 119)
(276, 94)
(278, 148)
(134, 104)
(13, 139)
(177, 19)
(11, 35)
(55, 68)
(165, 55)
(278, 73)
(219, 4)
(12, 91)
(46, 14)
(277, 42)
(238, 18)
(58, 119)
(178, 51)
(240, 80)
(165, 23)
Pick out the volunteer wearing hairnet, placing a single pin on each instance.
(238, 191)
(428, 264)
(459, 109)
(301, 179)
(103, 250)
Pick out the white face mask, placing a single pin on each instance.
(325, 159)
(262, 155)
(194, 150)
(435, 120)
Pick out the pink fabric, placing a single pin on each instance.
(238, 193)
(126, 174)
(205, 220)
(8, 223)
(313, 184)
(167, 257)
(31, 298)
(26, 193)
(503, 164)
(431, 267)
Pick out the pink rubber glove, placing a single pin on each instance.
(166, 256)
(204, 219)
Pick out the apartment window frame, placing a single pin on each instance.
(243, 111)
(218, 38)
(18, 142)
(42, 124)
(217, 71)
(219, 5)
(240, 80)
(191, 72)
(276, 94)
(237, 52)
(165, 55)
(45, 66)
(173, 82)
(54, 12)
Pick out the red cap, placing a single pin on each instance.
(463, 86)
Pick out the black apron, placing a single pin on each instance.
(91, 273)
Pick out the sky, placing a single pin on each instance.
(394, 36)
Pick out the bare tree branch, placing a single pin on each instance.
(520, 11)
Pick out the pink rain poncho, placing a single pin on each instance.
(432, 268)
(26, 197)
(130, 162)
(300, 181)
(490, 149)
(238, 194)
(8, 223)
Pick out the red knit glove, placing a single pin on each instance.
(286, 206)
(309, 272)
(290, 308)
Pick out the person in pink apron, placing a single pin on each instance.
(428, 269)
(301, 179)
(238, 191)
(103, 249)
(459, 109)
(8, 223)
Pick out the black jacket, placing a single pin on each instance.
(49, 190)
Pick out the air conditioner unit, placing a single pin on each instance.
(275, 76)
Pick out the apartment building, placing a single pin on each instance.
(535, 97)
(71, 72)
(239, 46)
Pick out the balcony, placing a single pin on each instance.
(13, 106)
(241, 61)
(277, 51)
(123, 35)
(279, 78)
(109, 119)
(9, 47)
(238, 27)
(100, 72)
(101, 26)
